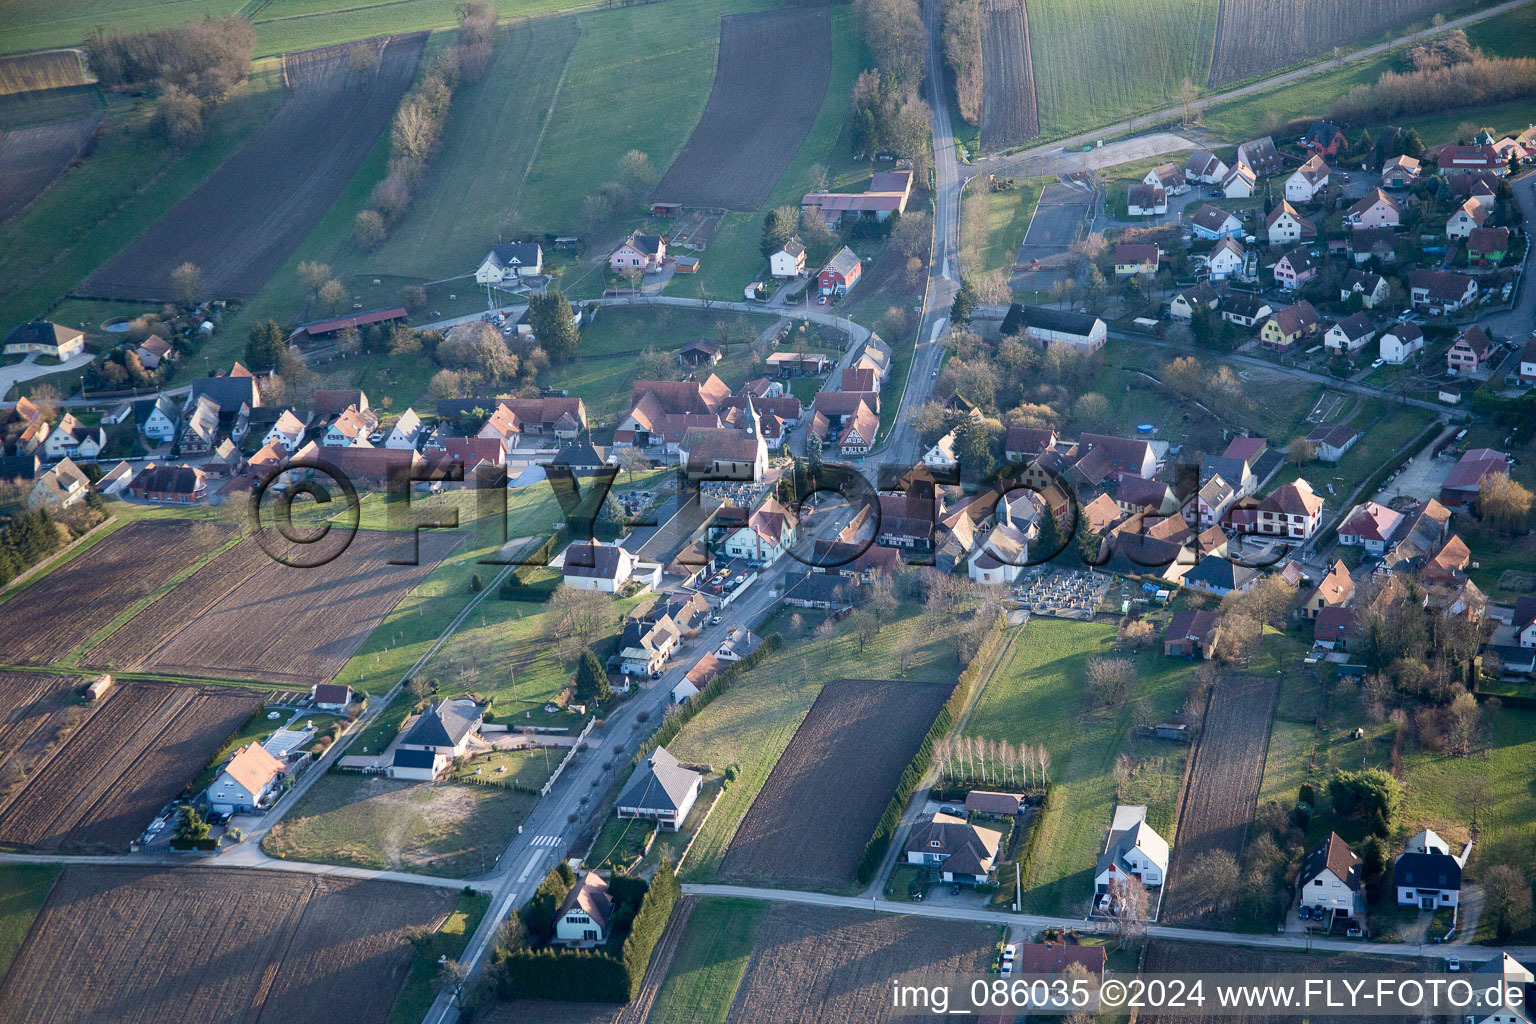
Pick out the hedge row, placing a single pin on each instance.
(683, 714)
(874, 850)
(584, 976)
(1026, 855)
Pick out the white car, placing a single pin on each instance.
(1453, 963)
(1007, 968)
(1378, 363)
(1008, 953)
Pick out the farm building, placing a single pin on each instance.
(888, 193)
(1146, 201)
(1466, 477)
(246, 782)
(1134, 848)
(184, 485)
(699, 352)
(44, 338)
(963, 852)
(510, 261)
(320, 329)
(660, 790)
(1044, 325)
(841, 273)
(1330, 878)
(1190, 633)
(1441, 291)
(582, 919)
(645, 253)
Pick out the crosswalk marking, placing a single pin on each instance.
(545, 840)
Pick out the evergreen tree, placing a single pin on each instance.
(778, 226)
(813, 448)
(591, 681)
(554, 325)
(965, 301)
(265, 346)
(973, 448)
(1048, 543)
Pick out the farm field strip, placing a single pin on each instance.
(1224, 782)
(32, 158)
(241, 224)
(49, 69)
(771, 76)
(135, 750)
(818, 965)
(860, 732)
(58, 611)
(1256, 36)
(1009, 113)
(294, 626)
(135, 944)
(34, 709)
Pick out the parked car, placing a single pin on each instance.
(1377, 363)
(715, 621)
(1008, 953)
(1305, 913)
(1453, 964)
(1007, 967)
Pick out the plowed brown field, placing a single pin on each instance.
(1255, 36)
(1008, 111)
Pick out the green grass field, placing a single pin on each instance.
(1096, 61)
(1038, 697)
(471, 193)
(1389, 430)
(23, 891)
(1004, 216)
(749, 726)
(709, 962)
(127, 184)
(421, 984)
(37, 24)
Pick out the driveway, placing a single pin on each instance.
(1049, 163)
(29, 368)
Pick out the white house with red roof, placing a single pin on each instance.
(1292, 510)
(1370, 525)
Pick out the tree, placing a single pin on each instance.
(965, 301)
(1092, 412)
(813, 446)
(187, 284)
(1507, 900)
(1111, 679)
(973, 446)
(178, 118)
(1128, 909)
(190, 826)
(1299, 451)
(265, 346)
(655, 365)
(1503, 503)
(591, 681)
(1212, 880)
(1188, 94)
(314, 275)
(633, 460)
(554, 324)
(1137, 632)
(580, 618)
(1369, 793)
(333, 296)
(778, 227)
(368, 228)
(636, 172)
(1239, 636)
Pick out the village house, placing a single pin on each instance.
(1083, 331)
(1295, 269)
(1441, 291)
(1191, 633)
(1146, 201)
(286, 432)
(1527, 371)
(1133, 259)
(789, 260)
(350, 429)
(247, 782)
(447, 728)
(1134, 849)
(1371, 526)
(1245, 309)
(1372, 288)
(62, 486)
(1219, 575)
(1400, 172)
(769, 532)
(152, 351)
(1470, 158)
(1205, 167)
(1226, 259)
(1335, 590)
(1307, 180)
(1366, 244)
(1287, 227)
(1471, 215)
(1168, 177)
(1134, 493)
(581, 920)
(606, 567)
(1292, 510)
(818, 590)
(41, 337)
(1425, 875)
(1512, 986)
(963, 852)
(333, 697)
(660, 790)
(1330, 878)
(1375, 210)
(887, 194)
(661, 412)
(645, 644)
(181, 485)
(407, 432)
(1323, 138)
(1329, 444)
(1400, 341)
(1239, 182)
(1480, 185)
(1188, 301)
(159, 418)
(1350, 334)
(1213, 223)
(1524, 621)
(509, 261)
(1470, 352)
(840, 274)
(1001, 555)
(645, 253)
(1288, 326)
(73, 439)
(1262, 156)
(1487, 246)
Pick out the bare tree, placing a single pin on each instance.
(1128, 909)
(1111, 679)
(187, 284)
(1211, 880)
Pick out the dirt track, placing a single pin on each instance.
(770, 79)
(243, 222)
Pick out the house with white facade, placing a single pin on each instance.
(582, 918)
(789, 260)
(1400, 342)
(1307, 180)
(1330, 878)
(447, 728)
(660, 790)
(1286, 226)
(1001, 555)
(1226, 259)
(407, 432)
(1425, 874)
(961, 851)
(1133, 849)
(287, 432)
(1350, 334)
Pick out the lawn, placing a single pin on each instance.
(445, 828)
(1005, 216)
(471, 195)
(128, 182)
(1387, 430)
(1159, 45)
(664, 56)
(23, 891)
(709, 962)
(1038, 698)
(38, 24)
(518, 769)
(421, 984)
(749, 726)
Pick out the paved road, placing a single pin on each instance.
(29, 368)
(1005, 164)
(1050, 161)
(1037, 922)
